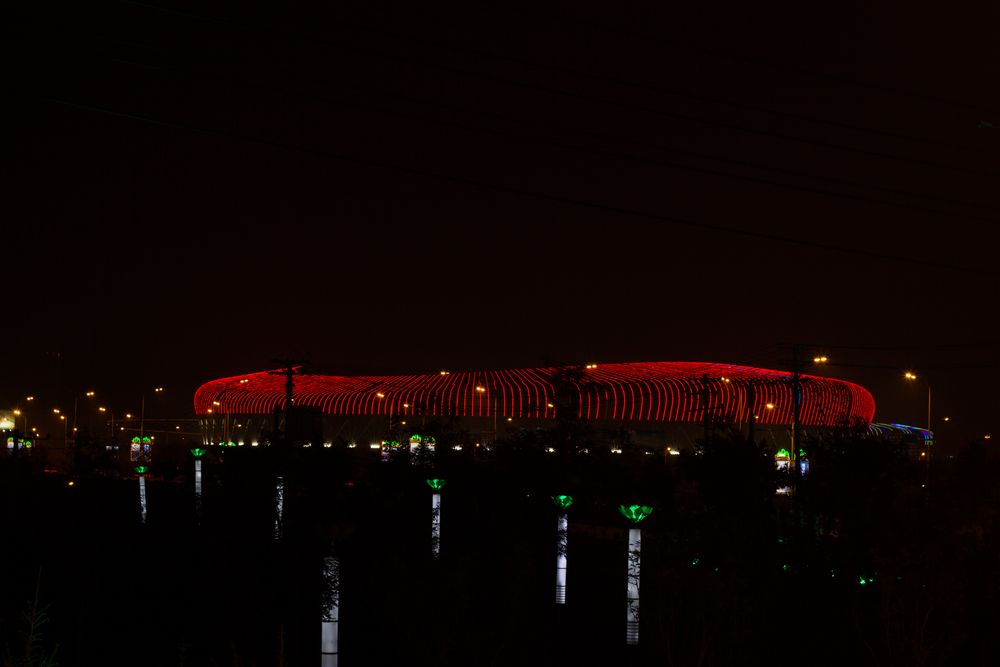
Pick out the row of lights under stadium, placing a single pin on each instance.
(377, 446)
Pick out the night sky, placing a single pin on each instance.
(388, 187)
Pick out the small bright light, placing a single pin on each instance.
(17, 413)
(158, 389)
(352, 445)
(480, 389)
(550, 450)
(457, 448)
(549, 405)
(244, 381)
(947, 419)
(922, 454)
(591, 366)
(209, 411)
(90, 393)
(406, 405)
(128, 415)
(909, 376)
(403, 423)
(769, 406)
(216, 403)
(102, 409)
(374, 445)
(30, 398)
(380, 394)
(444, 373)
(327, 445)
(615, 450)
(673, 452)
(820, 360)
(177, 428)
(55, 410)
(725, 379)
(510, 419)
(63, 417)
(70, 483)
(987, 436)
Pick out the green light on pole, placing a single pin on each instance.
(562, 502)
(141, 470)
(197, 452)
(782, 454)
(135, 440)
(435, 483)
(146, 440)
(635, 513)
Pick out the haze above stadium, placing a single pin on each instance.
(202, 188)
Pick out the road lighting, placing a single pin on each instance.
(87, 394)
(912, 377)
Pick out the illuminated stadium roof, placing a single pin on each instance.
(632, 392)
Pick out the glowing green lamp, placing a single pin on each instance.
(635, 513)
(562, 502)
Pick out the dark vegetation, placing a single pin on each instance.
(863, 566)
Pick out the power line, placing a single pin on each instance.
(801, 71)
(629, 83)
(567, 146)
(539, 195)
(412, 60)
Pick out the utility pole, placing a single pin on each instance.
(793, 456)
(289, 368)
(705, 398)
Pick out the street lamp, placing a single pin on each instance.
(635, 514)
(65, 423)
(436, 485)
(562, 539)
(87, 394)
(912, 377)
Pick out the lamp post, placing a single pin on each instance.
(436, 485)
(142, 409)
(562, 539)
(329, 649)
(912, 377)
(197, 453)
(635, 514)
(87, 394)
(141, 470)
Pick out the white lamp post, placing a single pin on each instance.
(436, 484)
(635, 514)
(562, 540)
(331, 612)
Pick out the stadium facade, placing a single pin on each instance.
(657, 405)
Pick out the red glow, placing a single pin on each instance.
(653, 391)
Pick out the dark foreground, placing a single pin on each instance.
(862, 568)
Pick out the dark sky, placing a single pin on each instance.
(378, 187)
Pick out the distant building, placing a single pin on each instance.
(662, 406)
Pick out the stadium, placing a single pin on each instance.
(656, 405)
